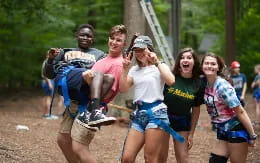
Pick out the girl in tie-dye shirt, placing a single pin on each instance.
(234, 128)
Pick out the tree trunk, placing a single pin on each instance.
(176, 19)
(134, 20)
(230, 32)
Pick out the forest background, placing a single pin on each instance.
(30, 27)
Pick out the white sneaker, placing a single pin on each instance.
(51, 117)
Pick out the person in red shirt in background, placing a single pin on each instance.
(239, 81)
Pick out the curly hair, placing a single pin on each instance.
(85, 26)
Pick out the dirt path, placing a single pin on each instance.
(38, 144)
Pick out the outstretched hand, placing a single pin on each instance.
(53, 52)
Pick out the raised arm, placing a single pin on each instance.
(125, 81)
(165, 71)
(48, 69)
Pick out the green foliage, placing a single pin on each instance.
(200, 17)
(30, 27)
(247, 62)
(248, 49)
(162, 8)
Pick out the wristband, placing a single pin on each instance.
(253, 137)
(157, 63)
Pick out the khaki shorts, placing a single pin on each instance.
(77, 132)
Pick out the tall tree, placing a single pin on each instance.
(230, 31)
(134, 20)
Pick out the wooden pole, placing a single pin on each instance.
(120, 107)
(176, 16)
(230, 32)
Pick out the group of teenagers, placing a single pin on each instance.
(167, 102)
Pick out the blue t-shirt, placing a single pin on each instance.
(256, 88)
(238, 83)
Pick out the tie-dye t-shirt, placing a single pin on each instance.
(220, 99)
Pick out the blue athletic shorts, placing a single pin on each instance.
(180, 123)
(141, 120)
(46, 88)
(256, 95)
(223, 134)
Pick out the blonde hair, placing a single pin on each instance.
(257, 68)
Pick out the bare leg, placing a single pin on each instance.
(238, 152)
(46, 104)
(181, 149)
(96, 117)
(60, 105)
(65, 143)
(257, 107)
(220, 148)
(82, 151)
(100, 84)
(164, 149)
(95, 85)
(133, 144)
(107, 85)
(154, 142)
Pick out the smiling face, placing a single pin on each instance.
(186, 63)
(210, 66)
(85, 38)
(116, 44)
(141, 56)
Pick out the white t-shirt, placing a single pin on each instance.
(148, 85)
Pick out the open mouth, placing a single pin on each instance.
(185, 66)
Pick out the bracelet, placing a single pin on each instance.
(157, 63)
(253, 137)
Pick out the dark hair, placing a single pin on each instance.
(220, 62)
(118, 29)
(85, 26)
(196, 71)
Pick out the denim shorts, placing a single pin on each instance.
(142, 120)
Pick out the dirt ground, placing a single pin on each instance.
(38, 144)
